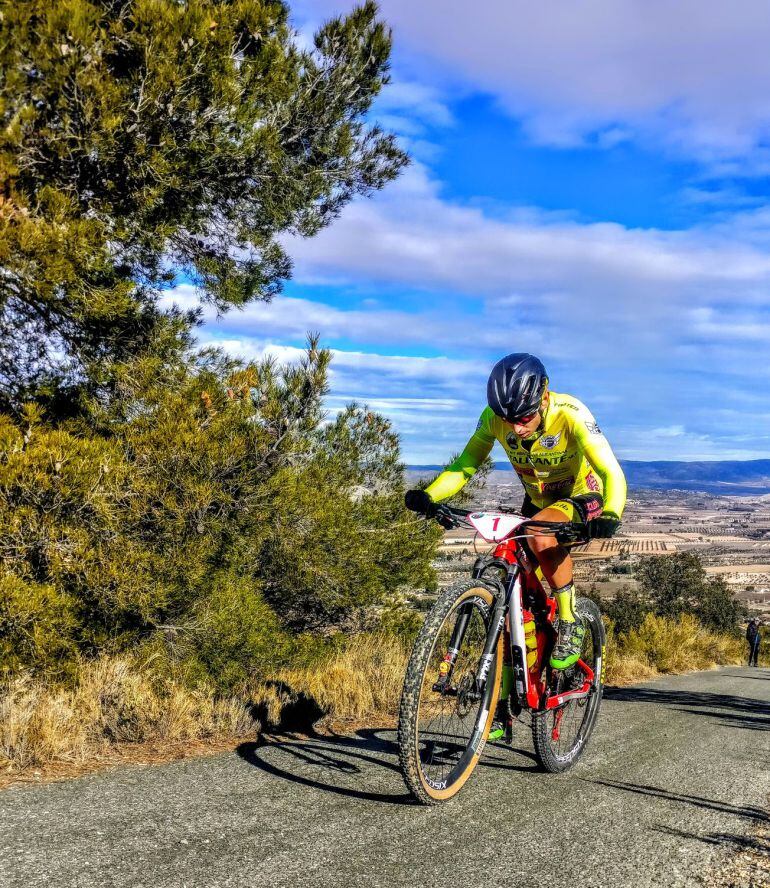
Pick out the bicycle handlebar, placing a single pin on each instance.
(567, 529)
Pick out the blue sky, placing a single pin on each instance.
(590, 181)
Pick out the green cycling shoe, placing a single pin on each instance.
(569, 643)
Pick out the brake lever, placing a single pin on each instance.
(445, 518)
(573, 535)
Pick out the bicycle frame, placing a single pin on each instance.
(520, 599)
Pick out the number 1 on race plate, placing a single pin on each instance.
(495, 526)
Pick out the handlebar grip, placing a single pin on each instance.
(573, 533)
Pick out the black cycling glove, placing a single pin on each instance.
(598, 524)
(419, 501)
(604, 527)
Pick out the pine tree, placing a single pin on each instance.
(207, 503)
(141, 138)
(153, 495)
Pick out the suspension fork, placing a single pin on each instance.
(496, 626)
(455, 643)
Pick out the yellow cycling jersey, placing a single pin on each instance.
(567, 456)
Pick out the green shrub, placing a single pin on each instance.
(628, 609)
(677, 584)
(233, 636)
(211, 497)
(36, 627)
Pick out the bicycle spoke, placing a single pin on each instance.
(447, 721)
(560, 734)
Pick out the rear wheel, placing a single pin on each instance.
(560, 735)
(444, 722)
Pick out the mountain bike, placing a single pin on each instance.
(452, 684)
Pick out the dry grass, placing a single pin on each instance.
(363, 680)
(666, 646)
(114, 701)
(117, 702)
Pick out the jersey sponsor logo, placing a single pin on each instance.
(556, 486)
(512, 440)
(479, 424)
(551, 460)
(593, 509)
(525, 470)
(550, 441)
(591, 482)
(593, 427)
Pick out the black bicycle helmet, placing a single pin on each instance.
(516, 385)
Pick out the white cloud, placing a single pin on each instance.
(693, 76)
(410, 235)
(734, 325)
(673, 431)
(659, 324)
(418, 103)
(549, 282)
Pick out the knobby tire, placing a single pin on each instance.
(418, 743)
(579, 716)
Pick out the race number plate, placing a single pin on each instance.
(495, 526)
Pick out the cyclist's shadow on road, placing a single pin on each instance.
(349, 765)
(344, 765)
(728, 709)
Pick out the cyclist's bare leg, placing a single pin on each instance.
(554, 560)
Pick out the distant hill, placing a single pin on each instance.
(729, 477)
(741, 474)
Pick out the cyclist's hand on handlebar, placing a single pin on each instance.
(444, 517)
(571, 533)
(602, 528)
(419, 501)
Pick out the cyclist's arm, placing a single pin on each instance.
(598, 452)
(458, 473)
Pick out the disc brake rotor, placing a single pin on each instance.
(466, 696)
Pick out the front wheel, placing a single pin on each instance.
(560, 735)
(444, 720)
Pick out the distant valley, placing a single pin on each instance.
(728, 477)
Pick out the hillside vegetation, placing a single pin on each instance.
(176, 525)
(119, 700)
(189, 546)
(349, 679)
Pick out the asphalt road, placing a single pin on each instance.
(675, 777)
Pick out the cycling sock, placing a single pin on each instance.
(565, 599)
(506, 686)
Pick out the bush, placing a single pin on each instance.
(36, 623)
(670, 586)
(677, 584)
(679, 645)
(627, 610)
(208, 506)
(233, 636)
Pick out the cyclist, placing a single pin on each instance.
(565, 464)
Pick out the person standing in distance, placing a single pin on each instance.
(754, 638)
(565, 464)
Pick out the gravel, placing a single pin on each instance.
(673, 786)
